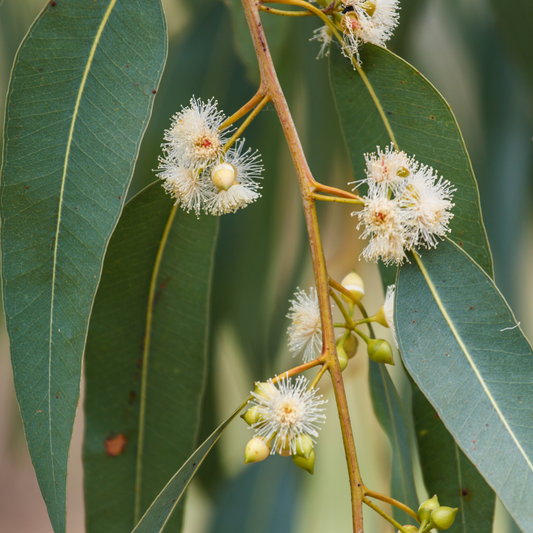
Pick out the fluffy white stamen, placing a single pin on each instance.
(194, 138)
(286, 412)
(388, 310)
(305, 332)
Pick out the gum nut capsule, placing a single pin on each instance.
(427, 507)
(355, 284)
(265, 389)
(304, 446)
(305, 464)
(410, 528)
(223, 176)
(443, 517)
(380, 351)
(350, 345)
(256, 450)
(251, 416)
(343, 358)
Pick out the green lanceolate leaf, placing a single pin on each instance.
(391, 416)
(158, 514)
(80, 96)
(145, 358)
(459, 484)
(462, 345)
(398, 104)
(403, 106)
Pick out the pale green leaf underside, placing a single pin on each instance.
(459, 484)
(157, 516)
(145, 366)
(461, 344)
(79, 100)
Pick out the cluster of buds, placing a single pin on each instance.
(407, 206)
(285, 417)
(432, 515)
(196, 168)
(378, 350)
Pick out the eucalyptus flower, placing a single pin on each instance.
(288, 414)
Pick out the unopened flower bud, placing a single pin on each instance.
(381, 318)
(427, 507)
(410, 528)
(265, 389)
(223, 176)
(304, 446)
(350, 345)
(355, 284)
(369, 6)
(443, 517)
(380, 351)
(305, 464)
(251, 416)
(256, 450)
(343, 358)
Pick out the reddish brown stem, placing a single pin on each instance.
(272, 88)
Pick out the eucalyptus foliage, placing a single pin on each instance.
(139, 292)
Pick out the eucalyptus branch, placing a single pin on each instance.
(284, 13)
(273, 90)
(391, 501)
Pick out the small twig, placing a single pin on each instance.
(248, 106)
(338, 200)
(246, 123)
(384, 515)
(284, 13)
(391, 501)
(318, 377)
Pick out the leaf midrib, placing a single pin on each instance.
(465, 351)
(146, 353)
(75, 113)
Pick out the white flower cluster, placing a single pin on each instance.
(196, 170)
(407, 206)
(286, 413)
(367, 21)
(305, 332)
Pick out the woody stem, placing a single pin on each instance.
(272, 88)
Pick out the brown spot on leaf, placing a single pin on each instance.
(115, 445)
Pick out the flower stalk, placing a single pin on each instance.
(271, 87)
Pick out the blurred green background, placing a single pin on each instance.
(480, 59)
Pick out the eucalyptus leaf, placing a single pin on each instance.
(158, 514)
(463, 347)
(409, 110)
(391, 416)
(145, 358)
(458, 484)
(79, 100)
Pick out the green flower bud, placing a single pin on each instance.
(410, 528)
(380, 318)
(443, 517)
(370, 7)
(251, 416)
(355, 284)
(427, 507)
(256, 451)
(380, 351)
(350, 345)
(265, 389)
(304, 446)
(305, 464)
(343, 358)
